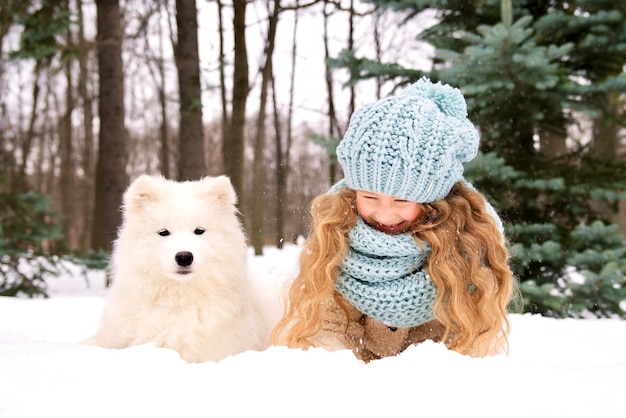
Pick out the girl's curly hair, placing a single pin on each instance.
(468, 264)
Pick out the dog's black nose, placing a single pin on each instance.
(184, 258)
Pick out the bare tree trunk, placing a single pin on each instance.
(222, 72)
(5, 24)
(605, 142)
(378, 48)
(233, 145)
(351, 15)
(332, 114)
(192, 163)
(621, 155)
(622, 217)
(279, 216)
(67, 178)
(111, 176)
(48, 139)
(606, 132)
(258, 177)
(89, 140)
(158, 77)
(282, 156)
(552, 144)
(30, 134)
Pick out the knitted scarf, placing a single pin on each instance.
(382, 277)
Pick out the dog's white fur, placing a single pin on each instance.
(205, 310)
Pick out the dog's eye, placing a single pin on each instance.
(164, 232)
(199, 231)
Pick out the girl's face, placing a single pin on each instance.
(387, 213)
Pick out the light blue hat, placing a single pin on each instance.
(412, 145)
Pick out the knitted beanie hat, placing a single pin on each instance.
(412, 145)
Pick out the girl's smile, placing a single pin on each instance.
(386, 213)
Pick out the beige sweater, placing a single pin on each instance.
(344, 326)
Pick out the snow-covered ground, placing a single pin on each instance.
(556, 368)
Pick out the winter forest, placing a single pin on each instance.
(95, 93)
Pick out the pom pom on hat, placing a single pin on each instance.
(412, 145)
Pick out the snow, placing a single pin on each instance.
(556, 368)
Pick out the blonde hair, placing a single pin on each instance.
(468, 264)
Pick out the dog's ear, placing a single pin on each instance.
(143, 191)
(222, 189)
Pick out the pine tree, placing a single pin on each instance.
(518, 88)
(28, 232)
(529, 70)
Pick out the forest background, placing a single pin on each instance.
(93, 94)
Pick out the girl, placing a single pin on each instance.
(403, 249)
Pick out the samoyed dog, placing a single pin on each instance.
(179, 275)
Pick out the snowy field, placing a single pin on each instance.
(556, 368)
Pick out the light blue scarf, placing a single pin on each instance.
(382, 277)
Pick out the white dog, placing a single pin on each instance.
(179, 272)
